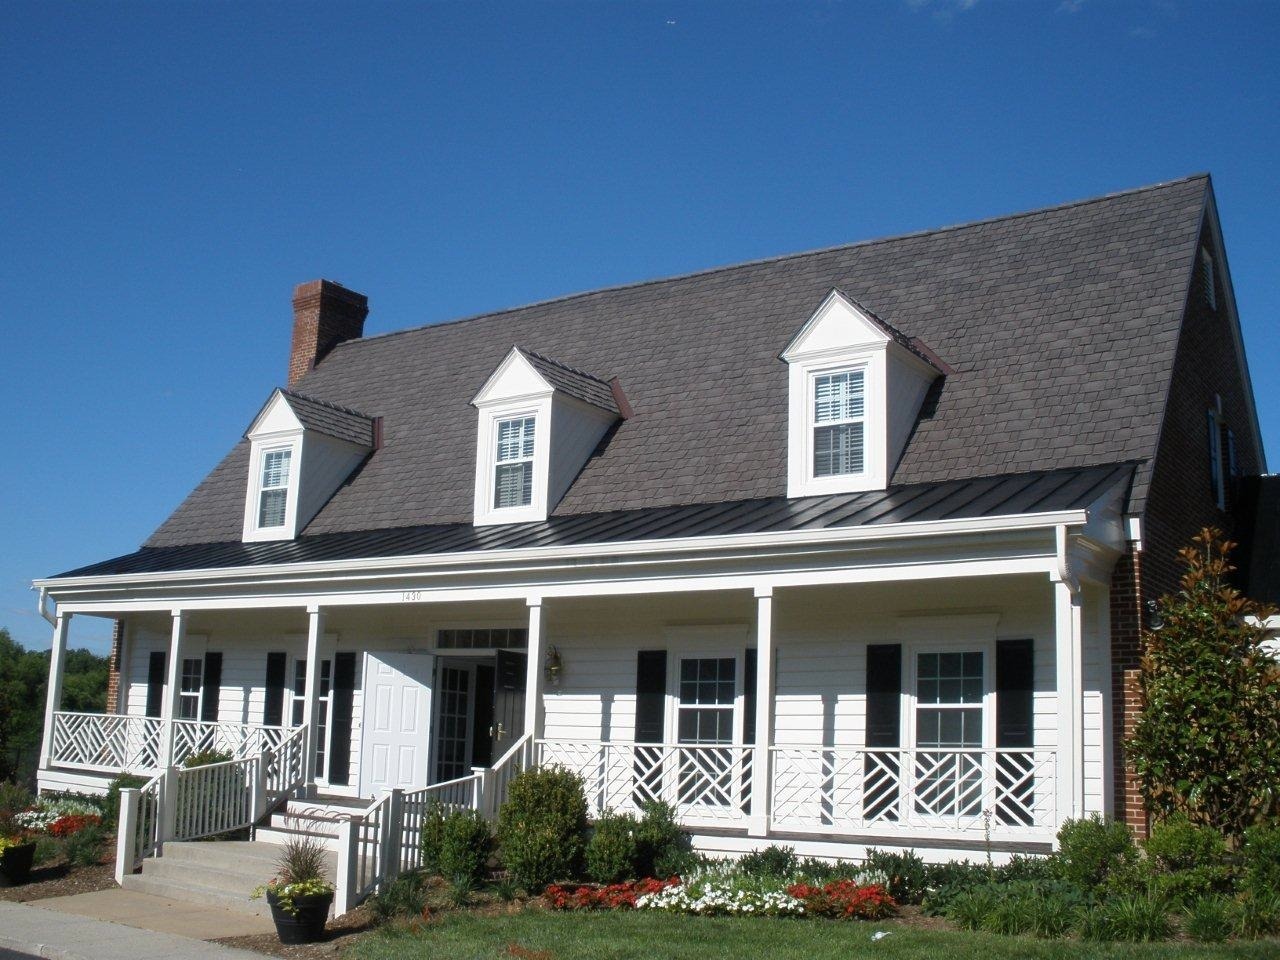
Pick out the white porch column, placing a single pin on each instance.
(1069, 651)
(53, 694)
(311, 699)
(173, 687)
(762, 764)
(533, 681)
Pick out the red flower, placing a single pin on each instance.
(71, 823)
(614, 896)
(845, 898)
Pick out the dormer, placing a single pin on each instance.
(300, 451)
(856, 385)
(539, 421)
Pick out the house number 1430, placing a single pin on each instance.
(410, 595)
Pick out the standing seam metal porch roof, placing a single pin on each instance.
(1060, 326)
(1040, 492)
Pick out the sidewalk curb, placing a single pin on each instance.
(40, 950)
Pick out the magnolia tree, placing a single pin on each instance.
(1207, 743)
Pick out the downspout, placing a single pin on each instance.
(40, 605)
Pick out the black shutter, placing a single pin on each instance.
(749, 697)
(155, 684)
(1015, 680)
(273, 706)
(344, 683)
(881, 768)
(212, 687)
(651, 714)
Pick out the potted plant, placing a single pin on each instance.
(299, 895)
(17, 852)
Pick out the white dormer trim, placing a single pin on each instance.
(515, 389)
(839, 337)
(276, 427)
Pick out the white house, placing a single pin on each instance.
(841, 549)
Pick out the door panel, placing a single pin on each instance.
(395, 745)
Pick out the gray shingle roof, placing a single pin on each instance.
(1060, 326)
(575, 383)
(331, 419)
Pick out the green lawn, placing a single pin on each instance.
(544, 935)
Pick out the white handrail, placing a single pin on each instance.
(461, 794)
(215, 798)
(518, 757)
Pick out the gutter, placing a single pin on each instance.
(40, 604)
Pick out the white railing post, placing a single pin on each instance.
(126, 839)
(348, 861)
(481, 799)
(258, 796)
(53, 695)
(167, 815)
(392, 832)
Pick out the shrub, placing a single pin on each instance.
(465, 844)
(431, 837)
(945, 881)
(1053, 915)
(1259, 914)
(969, 908)
(505, 889)
(405, 896)
(84, 847)
(1091, 849)
(14, 798)
(612, 852)
(48, 849)
(1094, 924)
(1210, 919)
(659, 839)
(906, 874)
(460, 890)
(679, 863)
(776, 862)
(1204, 744)
(845, 900)
(1026, 869)
(1178, 844)
(1138, 917)
(541, 826)
(1260, 860)
(202, 758)
(111, 803)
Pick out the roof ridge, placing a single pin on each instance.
(777, 258)
(563, 366)
(325, 403)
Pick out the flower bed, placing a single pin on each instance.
(49, 811)
(613, 896)
(844, 899)
(71, 823)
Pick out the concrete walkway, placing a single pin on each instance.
(107, 925)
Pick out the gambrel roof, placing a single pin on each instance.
(1058, 328)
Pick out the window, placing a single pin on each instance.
(322, 706)
(516, 638)
(1207, 277)
(838, 423)
(189, 692)
(949, 722)
(273, 494)
(513, 472)
(1217, 483)
(705, 711)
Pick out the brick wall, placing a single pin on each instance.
(1180, 501)
(324, 314)
(113, 667)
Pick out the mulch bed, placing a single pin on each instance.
(338, 934)
(61, 879)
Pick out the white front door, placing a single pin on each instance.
(395, 740)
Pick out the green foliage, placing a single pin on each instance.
(403, 897)
(461, 889)
(907, 875)
(1210, 919)
(1260, 860)
(969, 908)
(678, 862)
(24, 677)
(776, 862)
(1178, 844)
(1204, 744)
(204, 758)
(1094, 924)
(465, 845)
(111, 803)
(1041, 908)
(1091, 849)
(302, 859)
(541, 827)
(1137, 918)
(1259, 914)
(84, 847)
(48, 849)
(14, 798)
(432, 837)
(612, 851)
(505, 889)
(659, 839)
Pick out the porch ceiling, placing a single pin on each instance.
(1010, 495)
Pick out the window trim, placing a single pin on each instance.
(487, 462)
(196, 696)
(910, 678)
(264, 488)
(261, 447)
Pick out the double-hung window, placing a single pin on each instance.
(839, 423)
(189, 691)
(513, 463)
(273, 491)
(949, 725)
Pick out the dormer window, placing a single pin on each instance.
(839, 430)
(513, 469)
(856, 385)
(273, 497)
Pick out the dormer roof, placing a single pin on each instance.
(327, 419)
(574, 383)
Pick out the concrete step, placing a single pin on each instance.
(278, 835)
(230, 855)
(321, 825)
(196, 893)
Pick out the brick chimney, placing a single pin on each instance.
(324, 314)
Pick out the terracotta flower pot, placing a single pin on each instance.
(15, 864)
(306, 925)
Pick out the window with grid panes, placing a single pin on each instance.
(838, 423)
(273, 492)
(513, 467)
(189, 691)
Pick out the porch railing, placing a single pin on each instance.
(463, 793)
(117, 743)
(951, 791)
(215, 798)
(707, 784)
(104, 741)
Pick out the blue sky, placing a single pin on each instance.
(169, 172)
